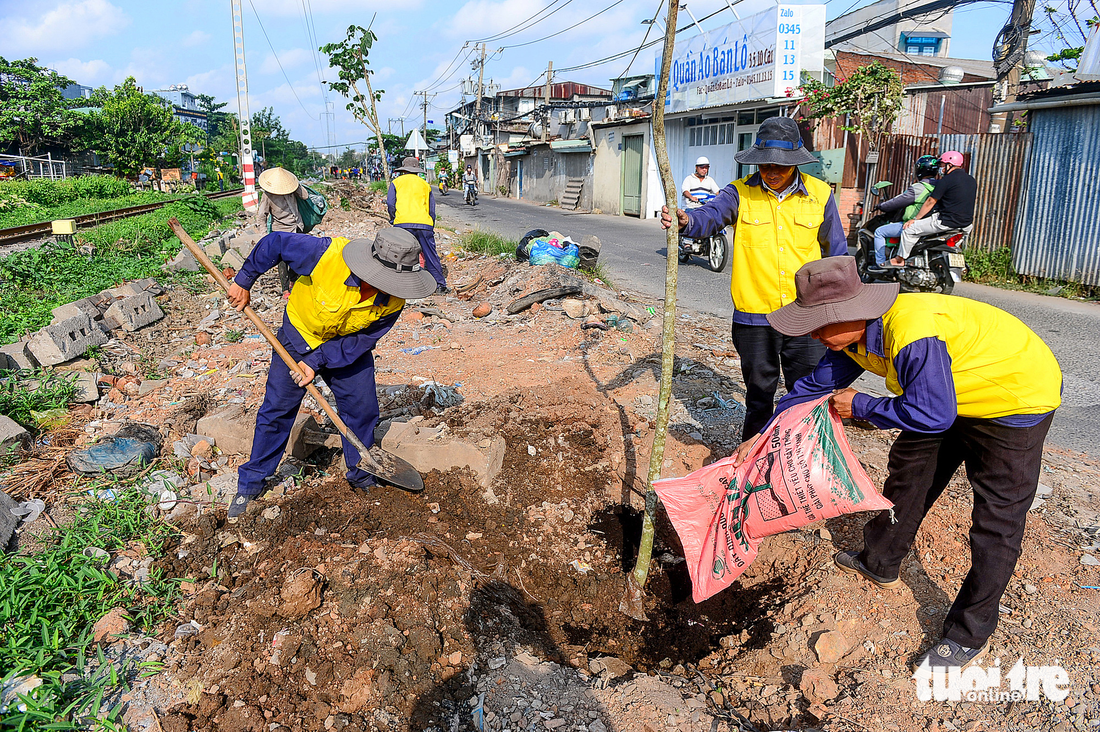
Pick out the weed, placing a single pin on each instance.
(345, 204)
(150, 367)
(995, 268)
(378, 186)
(487, 242)
(234, 336)
(30, 213)
(598, 272)
(24, 393)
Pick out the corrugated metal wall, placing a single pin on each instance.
(1058, 228)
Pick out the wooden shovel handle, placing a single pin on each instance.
(261, 326)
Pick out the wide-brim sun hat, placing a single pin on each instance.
(390, 263)
(410, 165)
(829, 291)
(778, 142)
(278, 181)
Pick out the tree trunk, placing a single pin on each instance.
(632, 603)
(377, 125)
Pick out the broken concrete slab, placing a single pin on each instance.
(85, 305)
(232, 428)
(150, 385)
(17, 356)
(219, 489)
(233, 258)
(87, 388)
(184, 261)
(427, 449)
(214, 247)
(306, 437)
(66, 340)
(8, 521)
(134, 312)
(12, 435)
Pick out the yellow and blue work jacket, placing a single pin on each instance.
(332, 317)
(774, 235)
(410, 202)
(944, 357)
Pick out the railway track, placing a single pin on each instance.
(45, 228)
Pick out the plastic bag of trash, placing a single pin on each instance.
(124, 453)
(801, 471)
(524, 246)
(554, 249)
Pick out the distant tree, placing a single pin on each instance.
(349, 58)
(215, 118)
(33, 111)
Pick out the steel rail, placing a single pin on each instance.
(45, 228)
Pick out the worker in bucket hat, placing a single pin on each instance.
(411, 205)
(782, 219)
(349, 294)
(972, 386)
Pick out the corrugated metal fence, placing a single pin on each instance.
(998, 162)
(1058, 229)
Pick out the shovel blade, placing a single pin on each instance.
(393, 470)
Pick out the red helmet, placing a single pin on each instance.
(952, 157)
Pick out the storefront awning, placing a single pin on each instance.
(571, 146)
(516, 152)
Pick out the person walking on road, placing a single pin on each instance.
(951, 204)
(411, 205)
(783, 219)
(973, 386)
(278, 211)
(349, 296)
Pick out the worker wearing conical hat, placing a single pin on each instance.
(278, 209)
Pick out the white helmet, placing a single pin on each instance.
(702, 161)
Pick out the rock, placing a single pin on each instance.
(8, 520)
(219, 489)
(233, 258)
(1090, 560)
(132, 313)
(17, 356)
(1030, 589)
(110, 626)
(818, 686)
(84, 306)
(427, 450)
(183, 262)
(65, 340)
(150, 385)
(87, 390)
(306, 437)
(300, 594)
(214, 247)
(357, 691)
(232, 428)
(202, 338)
(594, 321)
(612, 666)
(596, 726)
(482, 310)
(831, 646)
(575, 309)
(12, 435)
(202, 449)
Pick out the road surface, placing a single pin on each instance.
(633, 251)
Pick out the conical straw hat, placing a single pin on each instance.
(279, 181)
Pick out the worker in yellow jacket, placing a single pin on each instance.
(411, 205)
(973, 386)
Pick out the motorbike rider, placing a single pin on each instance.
(699, 187)
(469, 179)
(951, 204)
(911, 200)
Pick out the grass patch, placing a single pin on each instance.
(378, 186)
(34, 281)
(995, 268)
(32, 214)
(486, 242)
(49, 602)
(23, 395)
(598, 272)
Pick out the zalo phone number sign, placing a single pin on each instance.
(758, 57)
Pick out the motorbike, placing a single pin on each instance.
(442, 185)
(936, 263)
(715, 249)
(471, 194)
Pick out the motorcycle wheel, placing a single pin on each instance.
(719, 247)
(944, 282)
(861, 263)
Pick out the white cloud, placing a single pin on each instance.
(72, 24)
(88, 73)
(290, 59)
(196, 38)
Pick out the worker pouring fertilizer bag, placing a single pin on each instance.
(347, 296)
(973, 386)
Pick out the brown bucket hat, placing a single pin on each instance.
(830, 291)
(390, 263)
(410, 165)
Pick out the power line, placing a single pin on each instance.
(566, 30)
(278, 61)
(512, 31)
(648, 30)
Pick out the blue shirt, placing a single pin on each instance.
(302, 252)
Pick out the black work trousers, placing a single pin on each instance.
(763, 351)
(1003, 466)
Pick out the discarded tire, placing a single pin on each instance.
(521, 249)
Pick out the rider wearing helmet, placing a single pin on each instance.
(469, 177)
(699, 187)
(951, 205)
(927, 168)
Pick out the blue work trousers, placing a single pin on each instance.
(426, 237)
(356, 400)
(882, 233)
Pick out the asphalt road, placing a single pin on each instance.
(634, 253)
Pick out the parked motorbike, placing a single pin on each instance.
(935, 264)
(715, 249)
(471, 194)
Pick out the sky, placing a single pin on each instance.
(422, 44)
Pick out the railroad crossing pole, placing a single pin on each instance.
(244, 119)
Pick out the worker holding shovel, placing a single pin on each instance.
(348, 295)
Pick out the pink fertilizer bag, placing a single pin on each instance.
(801, 471)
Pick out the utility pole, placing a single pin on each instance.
(424, 105)
(480, 90)
(1008, 58)
(244, 119)
(546, 101)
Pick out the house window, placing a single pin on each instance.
(921, 45)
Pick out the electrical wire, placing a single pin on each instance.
(512, 31)
(566, 30)
(648, 30)
(280, 63)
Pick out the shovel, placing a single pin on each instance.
(377, 462)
